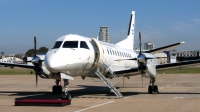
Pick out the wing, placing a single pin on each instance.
(161, 49)
(17, 65)
(134, 71)
(176, 65)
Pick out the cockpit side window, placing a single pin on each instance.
(70, 44)
(57, 44)
(84, 45)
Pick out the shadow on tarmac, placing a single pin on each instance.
(92, 91)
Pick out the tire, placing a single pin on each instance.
(54, 89)
(155, 88)
(66, 97)
(150, 89)
(59, 89)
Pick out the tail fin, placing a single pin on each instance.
(128, 43)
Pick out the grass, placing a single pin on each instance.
(15, 71)
(192, 69)
(25, 71)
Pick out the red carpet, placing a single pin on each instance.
(42, 102)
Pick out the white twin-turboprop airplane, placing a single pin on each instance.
(75, 55)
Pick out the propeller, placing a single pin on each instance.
(36, 61)
(141, 58)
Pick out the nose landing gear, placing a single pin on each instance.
(57, 89)
(65, 95)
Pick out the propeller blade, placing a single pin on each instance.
(141, 73)
(34, 45)
(140, 42)
(36, 75)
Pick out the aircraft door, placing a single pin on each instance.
(99, 55)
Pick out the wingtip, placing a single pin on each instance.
(182, 42)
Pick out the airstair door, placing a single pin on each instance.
(99, 55)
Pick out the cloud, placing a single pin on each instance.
(196, 20)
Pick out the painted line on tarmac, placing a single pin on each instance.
(168, 85)
(94, 106)
(128, 97)
(174, 84)
(178, 97)
(161, 87)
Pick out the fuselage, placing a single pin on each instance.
(76, 55)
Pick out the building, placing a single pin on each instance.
(104, 34)
(149, 46)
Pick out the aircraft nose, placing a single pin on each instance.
(53, 63)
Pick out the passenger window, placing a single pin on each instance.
(70, 44)
(113, 52)
(84, 45)
(108, 51)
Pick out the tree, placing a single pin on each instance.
(42, 50)
(30, 53)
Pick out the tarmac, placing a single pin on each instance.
(178, 93)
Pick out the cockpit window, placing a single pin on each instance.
(84, 45)
(70, 44)
(57, 44)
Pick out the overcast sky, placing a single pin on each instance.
(162, 22)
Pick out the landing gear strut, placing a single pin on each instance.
(152, 88)
(65, 95)
(57, 89)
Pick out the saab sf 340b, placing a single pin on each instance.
(75, 55)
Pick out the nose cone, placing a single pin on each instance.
(54, 63)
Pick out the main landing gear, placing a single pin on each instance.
(57, 89)
(153, 88)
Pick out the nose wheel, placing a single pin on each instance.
(153, 88)
(65, 95)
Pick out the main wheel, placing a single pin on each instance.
(150, 89)
(155, 88)
(66, 97)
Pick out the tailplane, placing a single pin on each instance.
(128, 43)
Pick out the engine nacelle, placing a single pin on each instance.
(151, 71)
(43, 72)
(148, 70)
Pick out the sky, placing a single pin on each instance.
(162, 22)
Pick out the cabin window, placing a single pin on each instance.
(110, 52)
(107, 51)
(84, 45)
(115, 53)
(57, 44)
(70, 44)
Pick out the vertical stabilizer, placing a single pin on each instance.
(128, 43)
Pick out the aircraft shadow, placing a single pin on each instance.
(84, 91)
